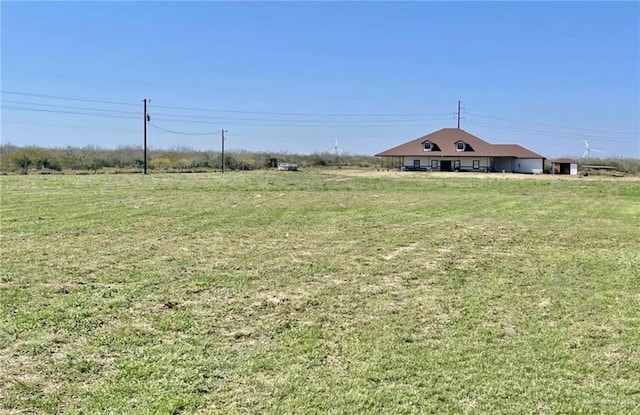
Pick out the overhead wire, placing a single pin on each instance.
(191, 118)
(67, 107)
(226, 110)
(550, 133)
(70, 126)
(527, 127)
(180, 132)
(227, 122)
(100, 101)
(209, 117)
(65, 112)
(301, 113)
(546, 125)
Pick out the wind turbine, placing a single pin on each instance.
(589, 150)
(336, 150)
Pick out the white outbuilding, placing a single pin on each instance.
(564, 166)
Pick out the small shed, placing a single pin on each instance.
(564, 166)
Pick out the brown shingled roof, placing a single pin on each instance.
(516, 150)
(446, 139)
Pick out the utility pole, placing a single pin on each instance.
(458, 114)
(146, 116)
(223, 131)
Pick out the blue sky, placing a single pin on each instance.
(295, 76)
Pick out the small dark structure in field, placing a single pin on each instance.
(288, 167)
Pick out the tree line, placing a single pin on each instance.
(16, 159)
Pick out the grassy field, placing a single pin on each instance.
(319, 292)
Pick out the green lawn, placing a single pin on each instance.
(319, 292)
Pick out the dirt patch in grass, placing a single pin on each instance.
(472, 175)
(400, 250)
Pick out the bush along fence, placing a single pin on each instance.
(14, 159)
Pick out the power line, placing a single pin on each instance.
(224, 110)
(70, 126)
(180, 132)
(251, 121)
(301, 113)
(547, 125)
(67, 98)
(298, 136)
(549, 133)
(204, 119)
(293, 125)
(209, 117)
(66, 107)
(65, 112)
(573, 132)
(576, 136)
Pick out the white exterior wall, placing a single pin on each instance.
(529, 166)
(466, 163)
(408, 161)
(574, 169)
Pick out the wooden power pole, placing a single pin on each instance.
(145, 134)
(223, 131)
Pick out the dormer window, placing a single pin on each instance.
(462, 146)
(429, 146)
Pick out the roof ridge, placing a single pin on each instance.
(445, 139)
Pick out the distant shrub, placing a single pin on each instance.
(23, 159)
(95, 165)
(160, 163)
(623, 165)
(182, 164)
(318, 161)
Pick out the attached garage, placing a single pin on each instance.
(503, 164)
(518, 165)
(525, 165)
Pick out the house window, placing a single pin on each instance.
(476, 164)
(434, 164)
(460, 146)
(456, 164)
(416, 164)
(427, 146)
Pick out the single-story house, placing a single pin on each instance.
(454, 149)
(564, 166)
